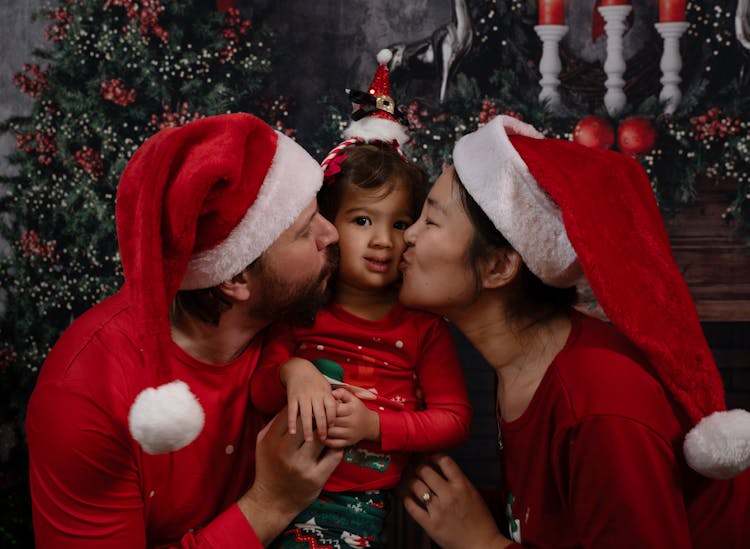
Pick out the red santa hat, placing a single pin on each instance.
(195, 206)
(569, 209)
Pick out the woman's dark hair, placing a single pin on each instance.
(374, 166)
(487, 238)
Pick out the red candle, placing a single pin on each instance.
(671, 11)
(551, 12)
(614, 2)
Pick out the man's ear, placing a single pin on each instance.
(238, 288)
(500, 267)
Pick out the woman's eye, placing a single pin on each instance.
(362, 221)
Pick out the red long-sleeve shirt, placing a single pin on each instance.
(91, 483)
(392, 355)
(596, 459)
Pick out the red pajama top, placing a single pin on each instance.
(596, 459)
(93, 486)
(393, 356)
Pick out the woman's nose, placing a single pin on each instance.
(410, 234)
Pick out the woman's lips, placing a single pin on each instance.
(404, 263)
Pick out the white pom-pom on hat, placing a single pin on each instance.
(167, 418)
(719, 446)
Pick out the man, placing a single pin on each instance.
(139, 428)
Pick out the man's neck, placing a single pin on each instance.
(216, 344)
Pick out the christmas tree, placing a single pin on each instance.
(115, 72)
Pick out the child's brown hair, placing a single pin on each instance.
(372, 166)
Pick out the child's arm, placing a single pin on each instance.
(267, 393)
(446, 420)
(310, 395)
(280, 377)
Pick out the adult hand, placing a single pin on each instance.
(442, 500)
(354, 422)
(289, 474)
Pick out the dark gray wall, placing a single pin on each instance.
(18, 37)
(333, 44)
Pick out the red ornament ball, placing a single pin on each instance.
(594, 131)
(636, 135)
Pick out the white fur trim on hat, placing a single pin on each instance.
(498, 179)
(167, 418)
(291, 183)
(719, 446)
(374, 128)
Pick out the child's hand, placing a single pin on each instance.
(309, 395)
(354, 421)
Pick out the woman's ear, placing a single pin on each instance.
(500, 267)
(238, 288)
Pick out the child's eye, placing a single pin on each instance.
(401, 225)
(362, 221)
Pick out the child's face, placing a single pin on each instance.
(371, 229)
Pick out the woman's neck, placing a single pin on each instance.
(520, 352)
(368, 304)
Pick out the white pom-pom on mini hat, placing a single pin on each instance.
(195, 206)
(567, 208)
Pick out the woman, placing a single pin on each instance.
(591, 417)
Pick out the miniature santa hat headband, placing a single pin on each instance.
(377, 117)
(530, 187)
(195, 206)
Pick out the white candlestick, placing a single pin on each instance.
(614, 66)
(671, 63)
(549, 64)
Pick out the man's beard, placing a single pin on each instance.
(298, 304)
